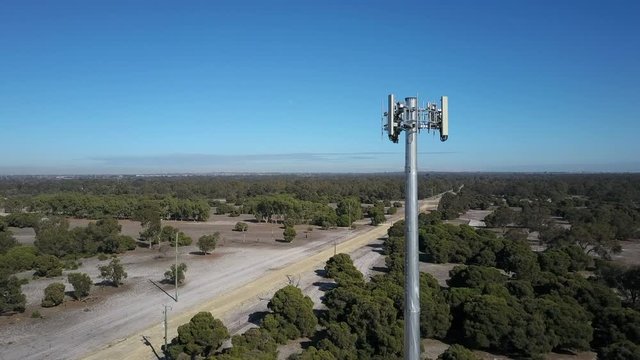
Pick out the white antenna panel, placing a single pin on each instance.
(444, 126)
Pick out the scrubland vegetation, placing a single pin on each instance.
(502, 297)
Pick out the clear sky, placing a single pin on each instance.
(255, 86)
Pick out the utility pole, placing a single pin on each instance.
(408, 117)
(164, 312)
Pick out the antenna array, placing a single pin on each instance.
(401, 116)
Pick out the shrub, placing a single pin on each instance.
(200, 337)
(48, 266)
(241, 226)
(11, 296)
(292, 315)
(170, 275)
(81, 283)
(458, 352)
(206, 243)
(113, 272)
(289, 234)
(21, 258)
(53, 295)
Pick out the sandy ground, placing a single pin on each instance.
(233, 283)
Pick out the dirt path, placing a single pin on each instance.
(241, 299)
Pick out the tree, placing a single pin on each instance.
(517, 257)
(473, 276)
(202, 336)
(170, 275)
(554, 260)
(630, 285)
(54, 238)
(598, 238)
(207, 243)
(292, 314)
(311, 353)
(113, 272)
(376, 213)
(348, 210)
(11, 297)
(289, 234)
(7, 241)
(168, 234)
(241, 226)
(20, 258)
(48, 266)
(616, 325)
(81, 283)
(568, 325)
(53, 295)
(183, 240)
(340, 341)
(458, 352)
(622, 350)
(435, 317)
(500, 217)
(254, 339)
(340, 268)
(492, 322)
(149, 216)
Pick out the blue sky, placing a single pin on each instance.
(255, 86)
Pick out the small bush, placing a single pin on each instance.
(102, 257)
(113, 272)
(126, 243)
(48, 266)
(241, 226)
(53, 295)
(289, 234)
(72, 264)
(81, 283)
(36, 315)
(206, 243)
(170, 275)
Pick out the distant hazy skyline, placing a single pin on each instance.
(133, 87)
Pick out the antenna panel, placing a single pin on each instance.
(444, 122)
(392, 124)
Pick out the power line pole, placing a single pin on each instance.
(408, 117)
(164, 312)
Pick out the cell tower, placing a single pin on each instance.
(410, 118)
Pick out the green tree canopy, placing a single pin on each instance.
(170, 275)
(81, 283)
(48, 266)
(292, 314)
(53, 295)
(289, 234)
(113, 272)
(201, 336)
(206, 243)
(11, 297)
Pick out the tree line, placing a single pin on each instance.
(322, 188)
